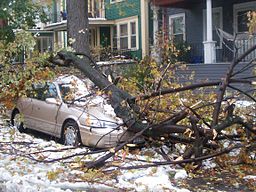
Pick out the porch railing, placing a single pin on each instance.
(244, 45)
(58, 17)
(224, 53)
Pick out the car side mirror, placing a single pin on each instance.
(52, 101)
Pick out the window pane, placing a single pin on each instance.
(216, 20)
(115, 37)
(242, 21)
(216, 23)
(178, 38)
(133, 42)
(177, 25)
(114, 43)
(114, 31)
(123, 30)
(51, 92)
(124, 43)
(133, 35)
(133, 28)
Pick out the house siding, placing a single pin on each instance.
(228, 15)
(194, 17)
(122, 10)
(215, 72)
(194, 24)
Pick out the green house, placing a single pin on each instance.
(119, 25)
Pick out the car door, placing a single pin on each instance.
(25, 106)
(45, 114)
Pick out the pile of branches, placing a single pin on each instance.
(200, 138)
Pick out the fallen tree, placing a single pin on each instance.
(182, 126)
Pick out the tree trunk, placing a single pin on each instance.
(77, 25)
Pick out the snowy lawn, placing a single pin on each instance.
(29, 163)
(21, 169)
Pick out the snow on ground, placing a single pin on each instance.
(22, 174)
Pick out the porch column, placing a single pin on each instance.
(155, 47)
(155, 22)
(209, 44)
(144, 28)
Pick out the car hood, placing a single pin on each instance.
(97, 113)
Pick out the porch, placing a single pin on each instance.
(224, 53)
(195, 22)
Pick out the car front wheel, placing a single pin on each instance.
(70, 134)
(17, 121)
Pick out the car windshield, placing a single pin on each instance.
(72, 88)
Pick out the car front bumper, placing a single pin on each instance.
(107, 140)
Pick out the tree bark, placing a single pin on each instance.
(77, 25)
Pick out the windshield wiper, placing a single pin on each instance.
(82, 97)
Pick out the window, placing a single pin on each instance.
(133, 35)
(43, 91)
(93, 37)
(177, 27)
(115, 37)
(242, 21)
(51, 92)
(217, 22)
(123, 36)
(240, 16)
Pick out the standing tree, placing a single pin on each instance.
(78, 27)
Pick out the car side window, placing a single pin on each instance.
(51, 91)
(43, 91)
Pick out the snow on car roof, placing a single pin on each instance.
(82, 86)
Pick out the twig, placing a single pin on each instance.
(225, 83)
(243, 92)
(191, 160)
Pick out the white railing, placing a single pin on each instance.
(244, 44)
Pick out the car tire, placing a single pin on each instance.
(16, 121)
(70, 134)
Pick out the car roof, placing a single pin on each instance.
(82, 85)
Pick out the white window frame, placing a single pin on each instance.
(171, 17)
(214, 10)
(241, 7)
(127, 21)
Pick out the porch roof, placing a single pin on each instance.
(62, 26)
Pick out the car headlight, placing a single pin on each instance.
(98, 123)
